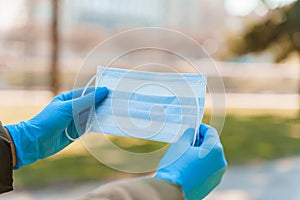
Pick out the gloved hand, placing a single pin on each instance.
(200, 168)
(44, 135)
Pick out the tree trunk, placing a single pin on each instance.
(299, 90)
(54, 74)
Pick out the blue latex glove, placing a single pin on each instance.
(200, 168)
(44, 135)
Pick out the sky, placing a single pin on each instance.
(10, 10)
(243, 8)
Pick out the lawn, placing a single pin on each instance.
(246, 140)
(259, 138)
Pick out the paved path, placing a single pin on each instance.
(275, 180)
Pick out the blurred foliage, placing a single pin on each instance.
(279, 32)
(245, 139)
(136, 145)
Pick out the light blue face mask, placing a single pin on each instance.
(149, 105)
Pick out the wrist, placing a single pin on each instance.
(12, 147)
(6, 137)
(169, 176)
(6, 166)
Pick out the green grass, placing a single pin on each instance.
(62, 171)
(246, 139)
(252, 139)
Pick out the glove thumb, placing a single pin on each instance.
(178, 148)
(91, 99)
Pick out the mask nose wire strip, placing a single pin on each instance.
(83, 92)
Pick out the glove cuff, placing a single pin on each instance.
(16, 135)
(171, 177)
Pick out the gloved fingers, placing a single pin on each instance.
(184, 141)
(210, 141)
(74, 131)
(178, 148)
(203, 129)
(74, 94)
(101, 93)
(89, 100)
(200, 135)
(78, 126)
(79, 92)
(83, 118)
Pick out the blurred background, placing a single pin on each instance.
(255, 44)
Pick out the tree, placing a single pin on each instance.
(279, 33)
(54, 74)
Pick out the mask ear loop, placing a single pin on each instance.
(82, 94)
(197, 135)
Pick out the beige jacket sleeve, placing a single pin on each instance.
(147, 188)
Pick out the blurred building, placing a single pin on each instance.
(190, 16)
(25, 45)
(115, 13)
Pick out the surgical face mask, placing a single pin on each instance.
(149, 105)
